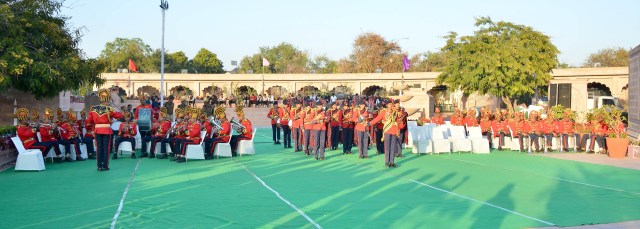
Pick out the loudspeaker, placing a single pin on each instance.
(564, 95)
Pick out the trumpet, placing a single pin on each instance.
(237, 126)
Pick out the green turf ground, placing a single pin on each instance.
(500, 190)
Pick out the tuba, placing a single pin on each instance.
(237, 126)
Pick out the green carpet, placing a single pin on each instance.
(500, 190)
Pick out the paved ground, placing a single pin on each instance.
(630, 163)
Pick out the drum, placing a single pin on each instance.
(115, 125)
(290, 122)
(144, 119)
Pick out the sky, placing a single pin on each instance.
(236, 28)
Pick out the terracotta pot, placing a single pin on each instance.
(617, 147)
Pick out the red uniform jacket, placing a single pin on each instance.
(535, 127)
(320, 118)
(547, 127)
(101, 116)
(307, 117)
(438, 120)
(131, 132)
(347, 121)
(382, 117)
(27, 135)
(567, 127)
(207, 127)
(336, 117)
(248, 131)
(284, 116)
(456, 120)
(296, 122)
(162, 128)
(272, 112)
(485, 125)
(67, 131)
(224, 134)
(46, 133)
(355, 117)
(193, 132)
(471, 121)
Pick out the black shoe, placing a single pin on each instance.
(68, 159)
(133, 155)
(144, 155)
(316, 158)
(100, 169)
(162, 156)
(394, 165)
(208, 157)
(58, 160)
(92, 156)
(322, 158)
(386, 165)
(105, 169)
(278, 143)
(115, 156)
(365, 157)
(500, 148)
(181, 160)
(78, 158)
(152, 156)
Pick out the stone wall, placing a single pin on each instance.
(634, 92)
(22, 99)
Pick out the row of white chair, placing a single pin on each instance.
(430, 138)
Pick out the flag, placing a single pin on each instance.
(405, 63)
(132, 66)
(265, 62)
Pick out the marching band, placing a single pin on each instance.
(307, 126)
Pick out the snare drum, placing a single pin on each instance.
(115, 125)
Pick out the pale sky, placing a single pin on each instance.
(234, 29)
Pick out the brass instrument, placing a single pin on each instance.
(334, 116)
(275, 116)
(237, 126)
(216, 126)
(297, 115)
(347, 117)
(317, 118)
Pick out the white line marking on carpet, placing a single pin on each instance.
(124, 195)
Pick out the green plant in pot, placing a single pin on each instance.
(617, 139)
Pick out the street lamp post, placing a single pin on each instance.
(164, 5)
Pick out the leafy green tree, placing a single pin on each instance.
(501, 58)
(609, 57)
(323, 65)
(175, 62)
(206, 61)
(283, 58)
(116, 54)
(428, 62)
(39, 51)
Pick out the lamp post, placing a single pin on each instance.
(164, 5)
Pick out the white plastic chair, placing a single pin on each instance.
(246, 146)
(28, 159)
(196, 151)
(125, 146)
(459, 140)
(515, 143)
(138, 138)
(223, 149)
(422, 141)
(440, 144)
(479, 144)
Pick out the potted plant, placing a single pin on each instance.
(617, 140)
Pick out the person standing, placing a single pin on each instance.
(361, 118)
(378, 130)
(307, 125)
(275, 126)
(319, 131)
(284, 113)
(389, 118)
(336, 120)
(100, 116)
(347, 129)
(296, 125)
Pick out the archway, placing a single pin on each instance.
(598, 89)
(245, 90)
(147, 89)
(180, 91)
(212, 90)
(444, 99)
(373, 90)
(121, 92)
(277, 91)
(308, 90)
(342, 91)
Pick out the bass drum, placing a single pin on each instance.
(290, 122)
(115, 126)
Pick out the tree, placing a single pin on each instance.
(39, 52)
(609, 57)
(370, 52)
(175, 62)
(428, 62)
(116, 54)
(501, 58)
(322, 65)
(283, 58)
(207, 62)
